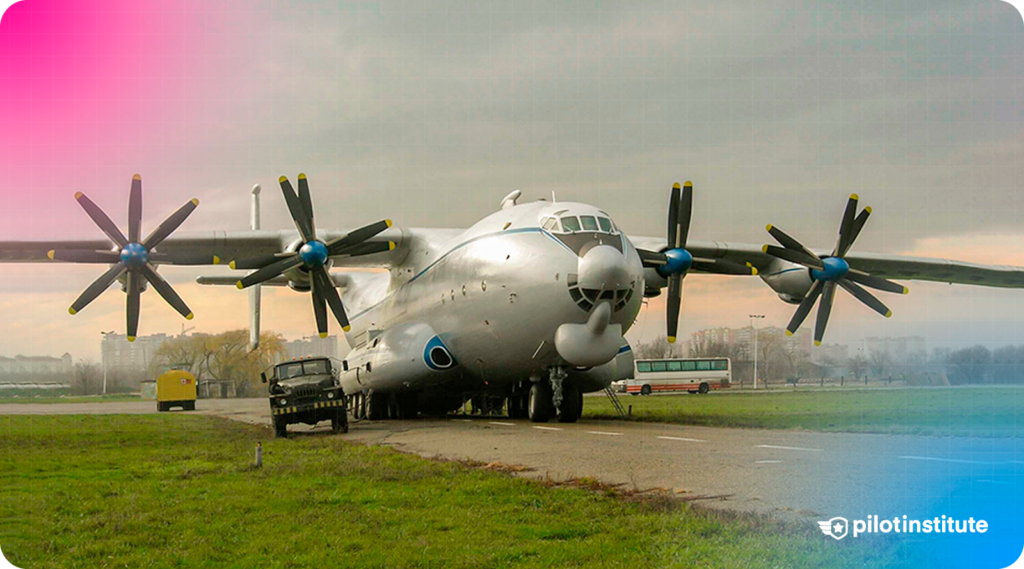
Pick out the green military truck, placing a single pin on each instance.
(306, 391)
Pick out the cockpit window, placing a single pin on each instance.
(550, 223)
(606, 224)
(570, 224)
(589, 223)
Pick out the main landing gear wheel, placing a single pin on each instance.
(572, 404)
(540, 408)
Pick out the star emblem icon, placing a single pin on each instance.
(835, 528)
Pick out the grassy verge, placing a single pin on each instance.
(158, 491)
(978, 412)
(50, 399)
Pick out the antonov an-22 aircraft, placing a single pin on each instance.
(529, 304)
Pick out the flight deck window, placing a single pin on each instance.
(571, 224)
(606, 224)
(550, 223)
(589, 223)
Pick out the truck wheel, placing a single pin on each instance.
(280, 428)
(190, 406)
(540, 407)
(570, 411)
(645, 390)
(703, 389)
(339, 422)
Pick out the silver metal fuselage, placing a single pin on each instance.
(495, 295)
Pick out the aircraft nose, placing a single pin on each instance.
(603, 268)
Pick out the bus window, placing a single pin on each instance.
(643, 367)
(675, 366)
(589, 223)
(703, 365)
(720, 365)
(688, 366)
(571, 224)
(657, 366)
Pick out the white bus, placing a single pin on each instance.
(694, 375)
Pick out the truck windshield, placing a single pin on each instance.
(298, 369)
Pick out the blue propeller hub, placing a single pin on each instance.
(134, 255)
(679, 261)
(314, 254)
(834, 269)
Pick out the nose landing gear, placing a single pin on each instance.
(555, 397)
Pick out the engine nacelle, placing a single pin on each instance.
(298, 278)
(789, 280)
(406, 357)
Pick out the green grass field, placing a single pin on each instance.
(50, 399)
(179, 491)
(978, 412)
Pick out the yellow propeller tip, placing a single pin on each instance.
(190, 316)
(788, 333)
(195, 201)
(391, 245)
(854, 197)
(282, 179)
(78, 195)
(216, 260)
(323, 334)
(239, 285)
(671, 339)
(136, 177)
(906, 290)
(753, 271)
(888, 314)
(675, 186)
(231, 265)
(131, 338)
(388, 221)
(687, 184)
(764, 248)
(868, 209)
(768, 227)
(302, 176)
(72, 311)
(49, 254)
(346, 328)
(817, 342)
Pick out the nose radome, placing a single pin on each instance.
(603, 267)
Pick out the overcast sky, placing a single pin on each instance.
(429, 113)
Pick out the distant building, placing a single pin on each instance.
(830, 354)
(740, 341)
(32, 368)
(118, 353)
(313, 346)
(899, 349)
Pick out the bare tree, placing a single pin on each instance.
(655, 349)
(88, 379)
(858, 365)
(879, 361)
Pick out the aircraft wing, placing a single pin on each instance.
(889, 266)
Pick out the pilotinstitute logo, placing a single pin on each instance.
(839, 527)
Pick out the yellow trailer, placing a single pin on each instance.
(176, 388)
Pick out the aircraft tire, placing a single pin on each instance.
(571, 404)
(540, 407)
(377, 404)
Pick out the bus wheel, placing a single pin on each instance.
(540, 407)
(645, 390)
(703, 389)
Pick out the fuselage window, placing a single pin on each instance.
(571, 224)
(606, 224)
(589, 223)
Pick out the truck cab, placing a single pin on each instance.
(305, 390)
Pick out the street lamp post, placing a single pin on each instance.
(103, 361)
(754, 330)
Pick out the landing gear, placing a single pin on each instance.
(540, 408)
(572, 404)
(376, 406)
(518, 405)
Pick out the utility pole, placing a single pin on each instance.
(103, 360)
(754, 331)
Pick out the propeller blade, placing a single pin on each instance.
(876, 282)
(164, 289)
(652, 259)
(183, 258)
(793, 256)
(97, 287)
(256, 262)
(85, 256)
(135, 211)
(307, 202)
(302, 222)
(865, 297)
(319, 309)
(369, 248)
(673, 217)
(102, 220)
(270, 271)
(685, 212)
(356, 237)
(134, 287)
(824, 309)
(170, 224)
(723, 267)
(846, 226)
(788, 242)
(858, 224)
(804, 309)
(325, 286)
(673, 303)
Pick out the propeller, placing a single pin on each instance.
(135, 258)
(312, 255)
(674, 261)
(831, 270)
